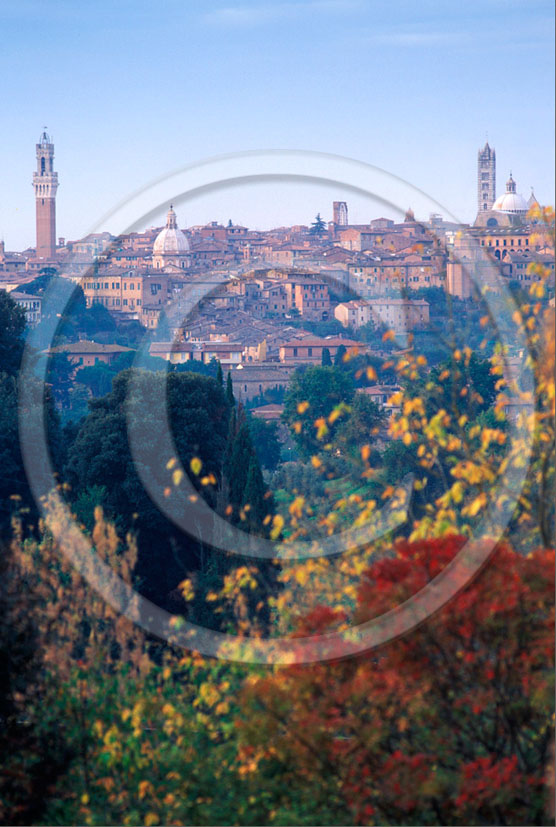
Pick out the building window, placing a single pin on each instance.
(295, 351)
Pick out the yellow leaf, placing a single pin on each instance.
(321, 427)
(477, 504)
(196, 465)
(277, 526)
(145, 787)
(296, 507)
(177, 476)
(301, 576)
(186, 589)
(302, 407)
(222, 708)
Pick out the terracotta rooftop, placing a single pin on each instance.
(89, 347)
(335, 341)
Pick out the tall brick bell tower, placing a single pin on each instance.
(45, 183)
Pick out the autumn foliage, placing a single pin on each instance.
(450, 722)
(446, 725)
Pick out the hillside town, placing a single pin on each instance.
(262, 303)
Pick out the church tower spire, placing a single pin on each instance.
(486, 178)
(45, 183)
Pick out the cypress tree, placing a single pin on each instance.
(242, 450)
(232, 432)
(326, 360)
(219, 375)
(230, 390)
(254, 495)
(339, 358)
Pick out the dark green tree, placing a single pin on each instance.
(100, 457)
(358, 428)
(219, 375)
(15, 495)
(318, 227)
(264, 436)
(238, 466)
(34, 753)
(98, 378)
(230, 390)
(38, 285)
(323, 389)
(467, 388)
(12, 327)
(97, 321)
(195, 366)
(254, 496)
(60, 373)
(339, 357)
(326, 361)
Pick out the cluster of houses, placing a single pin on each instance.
(249, 380)
(288, 271)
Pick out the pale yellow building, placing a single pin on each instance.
(399, 315)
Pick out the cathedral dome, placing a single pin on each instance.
(170, 241)
(511, 201)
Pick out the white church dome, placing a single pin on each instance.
(511, 201)
(170, 240)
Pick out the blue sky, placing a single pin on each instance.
(131, 90)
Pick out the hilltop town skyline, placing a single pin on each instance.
(255, 283)
(295, 212)
(409, 93)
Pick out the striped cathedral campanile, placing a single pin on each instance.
(486, 178)
(45, 183)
